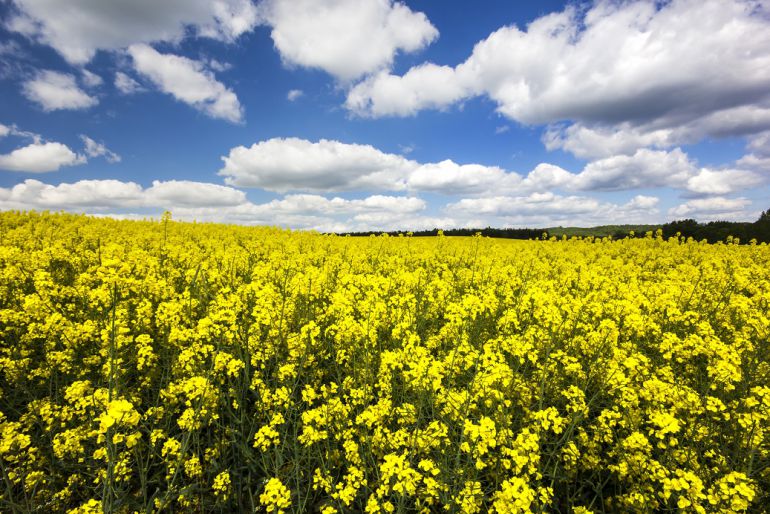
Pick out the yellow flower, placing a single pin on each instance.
(276, 497)
(515, 496)
(119, 412)
(221, 485)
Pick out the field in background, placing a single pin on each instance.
(164, 366)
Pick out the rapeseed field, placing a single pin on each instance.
(160, 366)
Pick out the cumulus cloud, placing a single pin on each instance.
(40, 157)
(549, 209)
(188, 81)
(717, 207)
(532, 210)
(127, 85)
(294, 94)
(448, 177)
(720, 182)
(758, 158)
(626, 74)
(645, 168)
(346, 38)
(293, 164)
(540, 203)
(86, 26)
(53, 90)
(318, 212)
(625, 138)
(200, 201)
(94, 149)
(427, 86)
(212, 202)
(185, 193)
(316, 204)
(755, 162)
(642, 202)
(116, 194)
(32, 194)
(599, 142)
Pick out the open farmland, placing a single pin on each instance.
(161, 366)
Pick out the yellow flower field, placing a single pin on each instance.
(171, 367)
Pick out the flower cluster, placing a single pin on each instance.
(153, 366)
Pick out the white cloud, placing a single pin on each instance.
(185, 193)
(294, 94)
(720, 182)
(642, 202)
(126, 84)
(547, 176)
(86, 26)
(53, 90)
(387, 222)
(712, 208)
(346, 38)
(549, 209)
(598, 142)
(754, 162)
(759, 157)
(115, 194)
(625, 138)
(645, 168)
(320, 213)
(212, 202)
(320, 205)
(539, 203)
(188, 81)
(40, 157)
(423, 87)
(32, 194)
(94, 149)
(294, 164)
(448, 177)
(91, 79)
(628, 74)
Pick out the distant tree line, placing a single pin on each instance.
(712, 231)
(508, 233)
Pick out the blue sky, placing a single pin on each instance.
(373, 114)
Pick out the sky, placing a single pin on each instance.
(353, 115)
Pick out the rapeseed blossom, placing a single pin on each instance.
(174, 367)
(276, 497)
